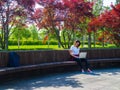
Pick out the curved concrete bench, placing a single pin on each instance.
(43, 60)
(93, 62)
(8, 70)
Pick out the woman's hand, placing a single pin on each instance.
(76, 57)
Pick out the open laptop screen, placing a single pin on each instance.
(82, 54)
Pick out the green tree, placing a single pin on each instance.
(34, 32)
(117, 1)
(98, 8)
(20, 33)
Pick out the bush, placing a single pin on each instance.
(38, 42)
(31, 42)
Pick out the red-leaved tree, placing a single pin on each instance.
(59, 15)
(110, 20)
(11, 11)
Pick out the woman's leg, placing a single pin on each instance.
(86, 64)
(79, 63)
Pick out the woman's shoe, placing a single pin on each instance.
(89, 70)
(82, 71)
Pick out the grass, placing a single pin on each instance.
(35, 47)
(51, 47)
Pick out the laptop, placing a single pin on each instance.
(83, 55)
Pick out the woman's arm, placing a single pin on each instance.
(71, 53)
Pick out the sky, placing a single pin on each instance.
(108, 2)
(105, 3)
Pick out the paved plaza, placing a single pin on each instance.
(100, 79)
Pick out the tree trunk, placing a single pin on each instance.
(94, 38)
(64, 38)
(89, 40)
(82, 40)
(6, 37)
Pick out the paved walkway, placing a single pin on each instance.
(104, 79)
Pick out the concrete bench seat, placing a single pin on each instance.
(33, 62)
(105, 60)
(8, 70)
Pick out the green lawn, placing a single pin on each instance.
(35, 47)
(50, 47)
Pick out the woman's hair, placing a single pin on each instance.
(77, 41)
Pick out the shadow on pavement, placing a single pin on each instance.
(67, 79)
(55, 80)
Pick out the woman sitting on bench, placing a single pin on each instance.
(74, 52)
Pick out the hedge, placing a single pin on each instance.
(31, 42)
(40, 42)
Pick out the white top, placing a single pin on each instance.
(75, 50)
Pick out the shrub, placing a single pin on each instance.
(31, 42)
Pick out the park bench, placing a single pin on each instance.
(59, 61)
(93, 62)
